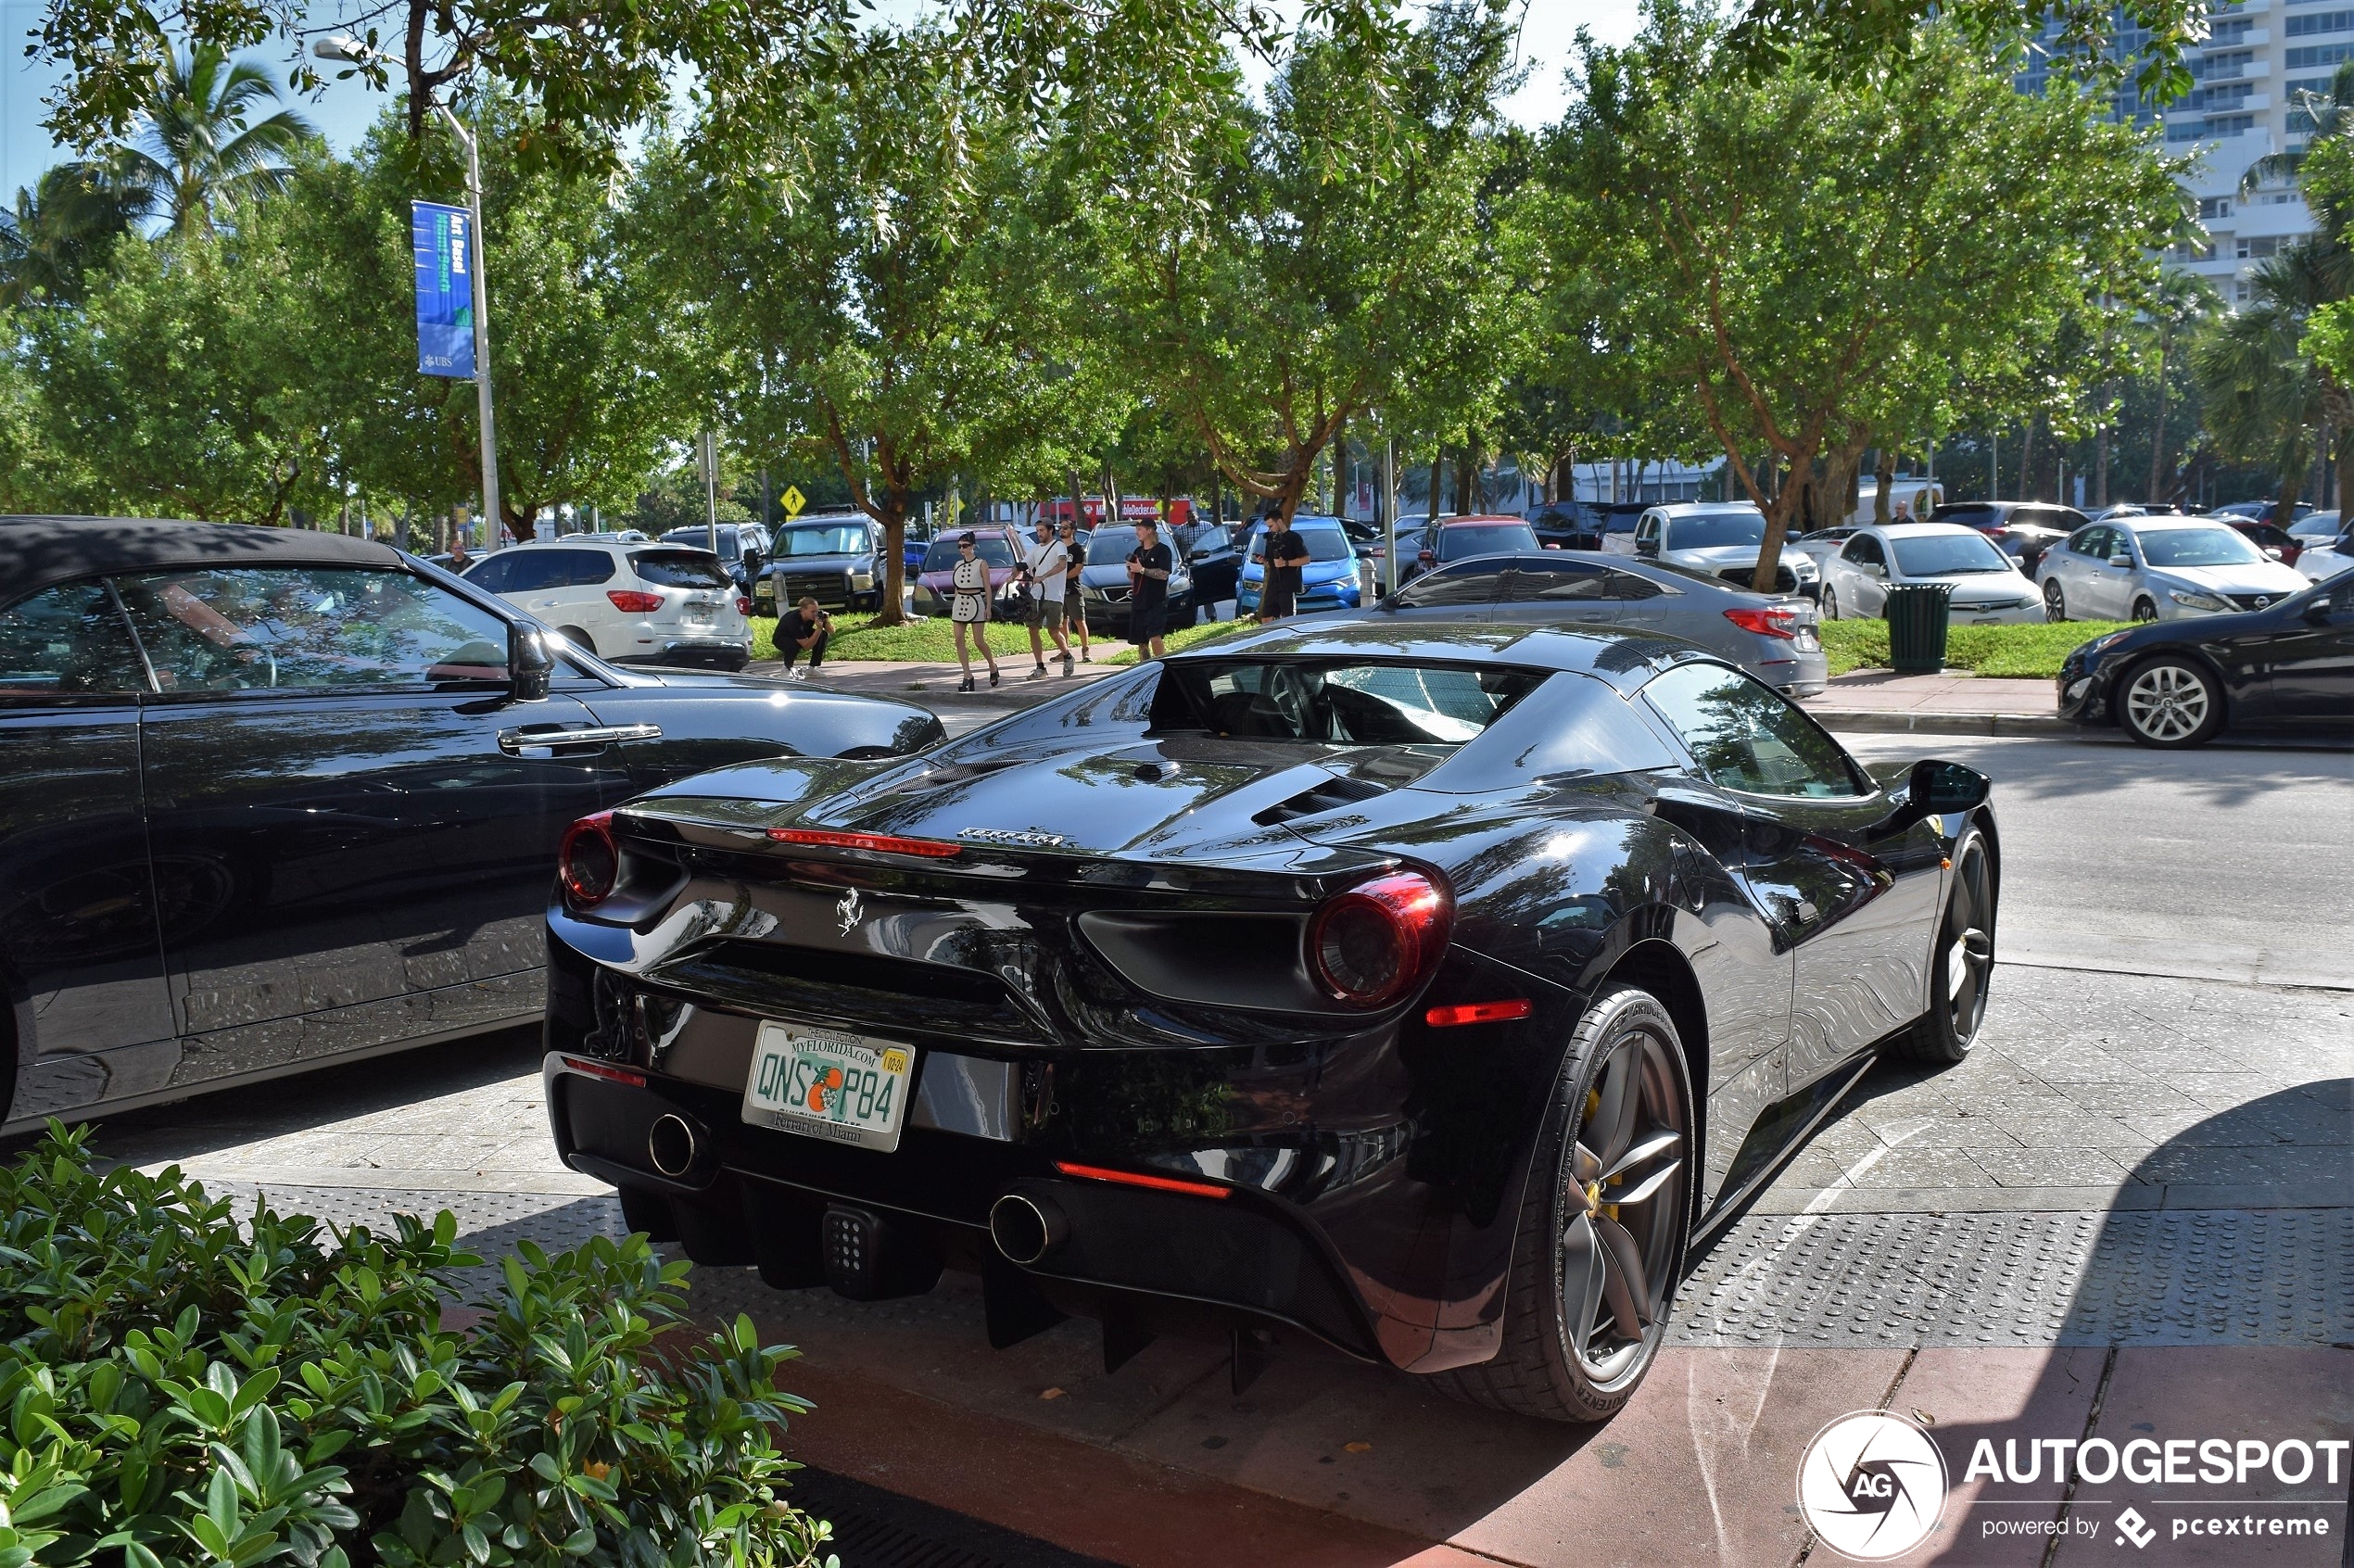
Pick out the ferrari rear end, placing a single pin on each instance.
(1090, 1019)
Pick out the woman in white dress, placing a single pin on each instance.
(969, 606)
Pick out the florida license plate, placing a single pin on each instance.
(829, 1084)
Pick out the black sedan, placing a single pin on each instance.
(1420, 990)
(2181, 683)
(270, 798)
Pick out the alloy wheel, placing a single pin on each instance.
(1831, 603)
(2166, 702)
(1970, 942)
(1622, 1209)
(2055, 603)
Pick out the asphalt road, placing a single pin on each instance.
(2225, 863)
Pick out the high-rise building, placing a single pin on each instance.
(2258, 57)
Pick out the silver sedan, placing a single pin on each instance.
(1772, 636)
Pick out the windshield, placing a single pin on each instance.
(1337, 702)
(991, 547)
(1324, 544)
(1457, 542)
(830, 538)
(1713, 530)
(2321, 525)
(2199, 547)
(1944, 555)
(730, 546)
(1109, 547)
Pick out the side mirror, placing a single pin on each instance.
(2271, 552)
(1872, 569)
(1647, 546)
(1941, 788)
(2123, 563)
(529, 664)
(2317, 610)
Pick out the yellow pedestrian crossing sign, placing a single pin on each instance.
(794, 502)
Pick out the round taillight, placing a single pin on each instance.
(589, 861)
(1371, 945)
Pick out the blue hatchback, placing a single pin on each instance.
(1327, 581)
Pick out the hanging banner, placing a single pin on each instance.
(443, 240)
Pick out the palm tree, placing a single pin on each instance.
(58, 231)
(2265, 397)
(202, 150)
(2182, 301)
(2331, 112)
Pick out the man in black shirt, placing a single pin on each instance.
(1283, 554)
(1150, 565)
(803, 631)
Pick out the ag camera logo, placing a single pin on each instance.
(1872, 1484)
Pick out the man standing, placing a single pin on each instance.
(805, 630)
(1282, 554)
(1048, 564)
(1074, 594)
(1150, 565)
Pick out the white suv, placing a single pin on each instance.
(626, 601)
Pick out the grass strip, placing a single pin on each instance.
(2030, 652)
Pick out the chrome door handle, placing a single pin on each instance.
(515, 743)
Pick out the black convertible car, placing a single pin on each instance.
(1423, 990)
(270, 798)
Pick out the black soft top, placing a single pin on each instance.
(40, 553)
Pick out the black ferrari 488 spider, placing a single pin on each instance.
(1424, 991)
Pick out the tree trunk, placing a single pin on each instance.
(2100, 467)
(2027, 461)
(1430, 512)
(1836, 483)
(1884, 474)
(2158, 425)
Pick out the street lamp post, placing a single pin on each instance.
(353, 52)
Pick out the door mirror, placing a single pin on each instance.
(529, 664)
(2123, 563)
(1647, 546)
(1941, 788)
(2317, 610)
(1872, 569)
(2271, 552)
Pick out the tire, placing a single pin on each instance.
(2055, 601)
(1961, 959)
(2144, 612)
(2168, 702)
(1830, 602)
(1576, 1342)
(578, 638)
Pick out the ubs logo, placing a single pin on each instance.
(1872, 1484)
(848, 913)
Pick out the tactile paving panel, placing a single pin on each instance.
(2152, 1277)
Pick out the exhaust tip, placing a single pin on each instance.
(1026, 1229)
(671, 1145)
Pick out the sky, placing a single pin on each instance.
(348, 109)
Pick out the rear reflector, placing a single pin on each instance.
(1138, 1179)
(1479, 1012)
(606, 1070)
(882, 843)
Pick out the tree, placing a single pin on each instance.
(2181, 302)
(1942, 227)
(59, 232)
(2266, 399)
(903, 309)
(1332, 253)
(203, 149)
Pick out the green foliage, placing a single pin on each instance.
(2025, 651)
(184, 1391)
(207, 146)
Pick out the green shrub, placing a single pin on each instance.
(2033, 650)
(179, 1389)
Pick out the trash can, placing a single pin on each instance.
(1917, 626)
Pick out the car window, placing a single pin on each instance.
(1559, 583)
(303, 628)
(681, 568)
(1331, 544)
(730, 546)
(1714, 530)
(2342, 596)
(2199, 547)
(2087, 541)
(1631, 585)
(530, 571)
(1460, 540)
(581, 568)
(1745, 737)
(1469, 582)
(1864, 550)
(1939, 555)
(1337, 702)
(69, 638)
(490, 574)
(991, 549)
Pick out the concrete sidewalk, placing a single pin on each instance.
(1951, 705)
(934, 685)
